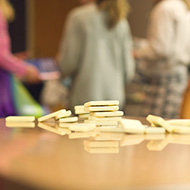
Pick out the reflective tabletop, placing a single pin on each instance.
(47, 157)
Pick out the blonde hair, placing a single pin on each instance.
(116, 9)
(7, 10)
(187, 2)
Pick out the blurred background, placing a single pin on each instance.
(38, 25)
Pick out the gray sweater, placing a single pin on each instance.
(98, 59)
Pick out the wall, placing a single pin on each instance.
(47, 18)
(138, 17)
(17, 28)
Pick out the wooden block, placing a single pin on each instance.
(107, 114)
(68, 120)
(83, 127)
(103, 123)
(80, 110)
(102, 108)
(63, 115)
(20, 124)
(102, 103)
(58, 131)
(179, 122)
(155, 120)
(159, 122)
(101, 143)
(113, 129)
(62, 130)
(65, 125)
(83, 116)
(20, 119)
(51, 115)
(181, 130)
(154, 130)
(79, 107)
(77, 112)
(132, 126)
(104, 119)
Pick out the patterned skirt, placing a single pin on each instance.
(162, 94)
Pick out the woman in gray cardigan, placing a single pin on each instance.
(96, 52)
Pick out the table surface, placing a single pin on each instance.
(43, 159)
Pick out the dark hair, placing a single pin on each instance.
(116, 9)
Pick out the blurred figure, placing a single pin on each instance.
(10, 64)
(96, 52)
(167, 55)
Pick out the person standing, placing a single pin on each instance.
(10, 64)
(167, 55)
(96, 52)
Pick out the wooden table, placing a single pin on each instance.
(40, 159)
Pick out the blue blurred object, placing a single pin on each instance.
(47, 67)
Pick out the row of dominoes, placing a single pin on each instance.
(157, 142)
(180, 126)
(63, 116)
(107, 139)
(107, 117)
(133, 126)
(104, 116)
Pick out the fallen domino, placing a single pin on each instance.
(154, 130)
(179, 122)
(107, 114)
(80, 110)
(63, 115)
(20, 119)
(103, 123)
(68, 120)
(102, 103)
(160, 122)
(51, 115)
(102, 108)
(59, 131)
(20, 124)
(132, 126)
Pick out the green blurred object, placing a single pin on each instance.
(24, 103)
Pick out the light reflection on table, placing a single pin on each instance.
(57, 159)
